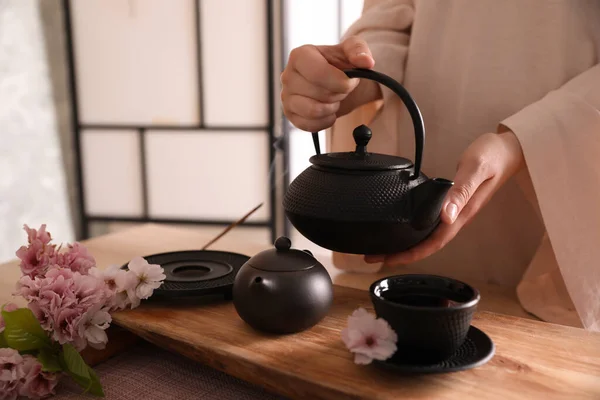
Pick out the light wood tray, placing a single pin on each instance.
(533, 359)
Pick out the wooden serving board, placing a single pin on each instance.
(533, 360)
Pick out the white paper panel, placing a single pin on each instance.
(234, 62)
(301, 149)
(136, 61)
(212, 175)
(351, 10)
(112, 173)
(311, 22)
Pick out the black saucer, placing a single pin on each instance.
(197, 272)
(477, 350)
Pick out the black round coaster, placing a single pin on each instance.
(477, 350)
(197, 272)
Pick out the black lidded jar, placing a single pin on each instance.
(282, 290)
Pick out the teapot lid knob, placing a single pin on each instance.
(362, 134)
(283, 243)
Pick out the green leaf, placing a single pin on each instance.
(3, 341)
(49, 360)
(92, 386)
(79, 371)
(23, 331)
(30, 352)
(96, 387)
(74, 363)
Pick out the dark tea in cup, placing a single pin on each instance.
(430, 314)
(420, 299)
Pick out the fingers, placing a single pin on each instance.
(470, 175)
(438, 239)
(353, 52)
(296, 84)
(372, 259)
(314, 83)
(357, 52)
(444, 233)
(308, 114)
(308, 108)
(481, 197)
(311, 64)
(479, 175)
(312, 90)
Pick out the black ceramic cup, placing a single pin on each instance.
(430, 314)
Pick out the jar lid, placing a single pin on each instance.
(283, 258)
(360, 159)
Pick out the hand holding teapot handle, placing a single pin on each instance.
(314, 89)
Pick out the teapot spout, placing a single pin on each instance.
(426, 202)
(260, 285)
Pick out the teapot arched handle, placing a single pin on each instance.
(411, 105)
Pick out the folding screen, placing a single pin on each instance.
(176, 106)
(173, 110)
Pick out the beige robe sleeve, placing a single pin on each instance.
(560, 137)
(385, 25)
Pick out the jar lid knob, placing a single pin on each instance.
(283, 243)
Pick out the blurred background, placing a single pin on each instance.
(121, 112)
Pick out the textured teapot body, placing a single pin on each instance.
(367, 203)
(362, 214)
(282, 298)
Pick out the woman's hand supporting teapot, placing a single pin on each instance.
(484, 167)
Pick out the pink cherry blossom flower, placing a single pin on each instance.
(368, 337)
(149, 277)
(119, 282)
(35, 258)
(8, 307)
(10, 360)
(90, 290)
(77, 258)
(11, 373)
(71, 297)
(65, 326)
(28, 288)
(107, 275)
(55, 293)
(40, 234)
(42, 294)
(93, 325)
(38, 254)
(57, 287)
(57, 272)
(61, 301)
(36, 384)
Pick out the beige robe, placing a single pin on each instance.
(480, 66)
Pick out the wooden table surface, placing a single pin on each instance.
(119, 247)
(534, 358)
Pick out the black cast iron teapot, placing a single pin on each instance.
(367, 203)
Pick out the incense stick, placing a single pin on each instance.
(230, 227)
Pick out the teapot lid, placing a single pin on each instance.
(283, 258)
(360, 159)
